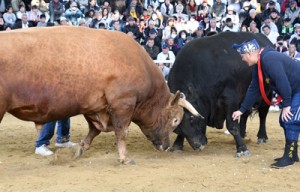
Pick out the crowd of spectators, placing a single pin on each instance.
(163, 27)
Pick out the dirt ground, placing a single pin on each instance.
(214, 169)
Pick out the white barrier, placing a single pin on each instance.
(165, 61)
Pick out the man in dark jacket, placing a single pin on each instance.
(151, 49)
(133, 28)
(23, 23)
(281, 74)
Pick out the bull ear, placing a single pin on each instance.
(175, 98)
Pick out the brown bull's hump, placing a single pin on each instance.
(74, 63)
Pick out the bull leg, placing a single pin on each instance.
(120, 115)
(243, 123)
(262, 132)
(233, 126)
(86, 143)
(178, 144)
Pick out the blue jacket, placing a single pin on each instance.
(280, 72)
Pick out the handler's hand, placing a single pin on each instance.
(286, 114)
(236, 115)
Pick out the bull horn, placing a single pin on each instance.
(184, 103)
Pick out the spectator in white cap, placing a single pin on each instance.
(231, 14)
(296, 34)
(63, 21)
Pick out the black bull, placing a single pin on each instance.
(214, 79)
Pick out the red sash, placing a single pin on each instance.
(261, 83)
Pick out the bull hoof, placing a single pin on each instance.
(78, 151)
(245, 153)
(177, 149)
(260, 141)
(127, 161)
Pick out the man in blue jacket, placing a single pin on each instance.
(281, 74)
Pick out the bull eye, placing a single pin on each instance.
(175, 122)
(192, 117)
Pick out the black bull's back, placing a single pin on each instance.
(214, 79)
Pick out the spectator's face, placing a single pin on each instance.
(154, 16)
(213, 24)
(74, 8)
(99, 16)
(92, 2)
(292, 48)
(10, 10)
(131, 22)
(63, 22)
(43, 19)
(165, 51)
(24, 19)
(171, 42)
(149, 9)
(1, 21)
(297, 30)
(229, 24)
(206, 20)
(22, 9)
(267, 22)
(105, 11)
(199, 33)
(150, 43)
(266, 30)
(167, 2)
(116, 25)
(274, 15)
(287, 23)
(252, 14)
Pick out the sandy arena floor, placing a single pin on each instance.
(214, 169)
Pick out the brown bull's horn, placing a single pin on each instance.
(184, 103)
(182, 95)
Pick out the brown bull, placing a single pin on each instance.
(48, 74)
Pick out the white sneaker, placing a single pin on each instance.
(43, 150)
(68, 144)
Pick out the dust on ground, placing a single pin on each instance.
(214, 169)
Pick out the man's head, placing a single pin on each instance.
(73, 6)
(292, 48)
(252, 13)
(150, 42)
(297, 28)
(229, 22)
(248, 51)
(266, 29)
(43, 18)
(287, 22)
(293, 4)
(24, 18)
(131, 20)
(116, 25)
(63, 21)
(152, 33)
(165, 48)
